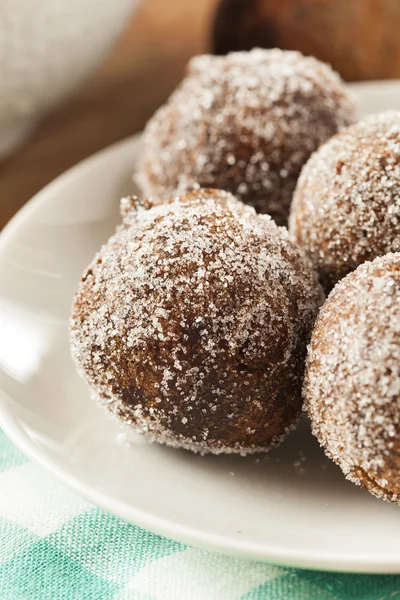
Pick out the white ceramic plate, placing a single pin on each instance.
(291, 507)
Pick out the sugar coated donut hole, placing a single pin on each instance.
(191, 324)
(352, 383)
(246, 123)
(359, 38)
(346, 208)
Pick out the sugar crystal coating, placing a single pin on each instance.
(246, 123)
(346, 208)
(352, 383)
(191, 324)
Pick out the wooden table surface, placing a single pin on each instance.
(142, 69)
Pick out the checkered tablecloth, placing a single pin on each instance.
(56, 546)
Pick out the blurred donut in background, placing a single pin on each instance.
(359, 38)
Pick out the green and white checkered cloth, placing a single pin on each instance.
(56, 546)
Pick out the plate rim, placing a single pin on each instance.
(323, 561)
(285, 557)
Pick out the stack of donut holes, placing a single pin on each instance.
(346, 216)
(191, 324)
